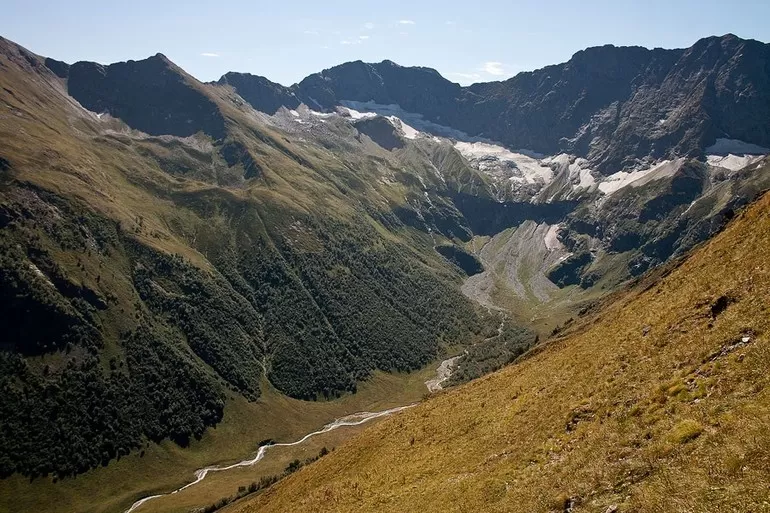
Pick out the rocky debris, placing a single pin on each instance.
(443, 373)
(730, 347)
(720, 305)
(381, 131)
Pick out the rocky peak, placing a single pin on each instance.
(152, 95)
(261, 93)
(413, 88)
(59, 68)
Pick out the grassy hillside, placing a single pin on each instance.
(660, 401)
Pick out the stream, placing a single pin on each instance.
(355, 419)
(443, 372)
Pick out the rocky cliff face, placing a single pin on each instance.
(415, 89)
(261, 93)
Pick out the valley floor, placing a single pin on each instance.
(514, 280)
(162, 468)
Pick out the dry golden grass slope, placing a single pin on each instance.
(657, 403)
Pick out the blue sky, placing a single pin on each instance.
(467, 41)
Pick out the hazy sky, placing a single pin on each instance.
(466, 41)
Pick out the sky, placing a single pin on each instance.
(466, 41)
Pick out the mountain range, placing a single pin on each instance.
(616, 107)
(170, 247)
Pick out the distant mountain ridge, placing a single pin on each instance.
(618, 107)
(615, 106)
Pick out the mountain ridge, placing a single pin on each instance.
(535, 111)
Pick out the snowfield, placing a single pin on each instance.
(486, 155)
(525, 172)
(621, 179)
(356, 114)
(733, 162)
(416, 121)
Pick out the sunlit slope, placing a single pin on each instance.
(659, 402)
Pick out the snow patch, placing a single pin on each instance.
(408, 131)
(321, 114)
(732, 162)
(617, 181)
(488, 156)
(356, 114)
(586, 179)
(294, 113)
(551, 238)
(621, 179)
